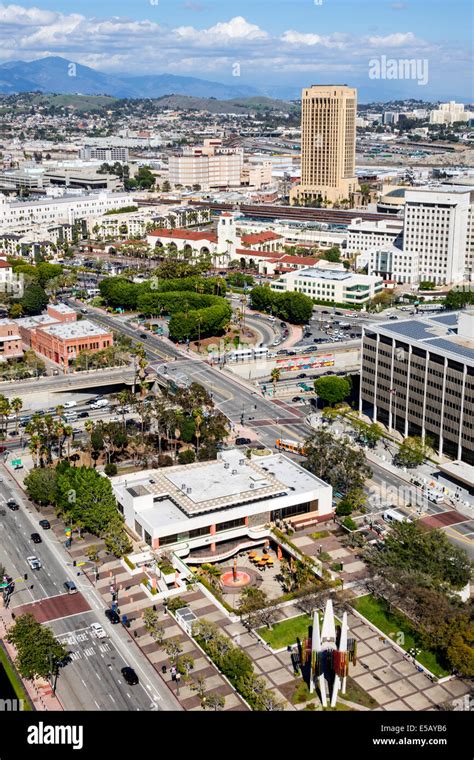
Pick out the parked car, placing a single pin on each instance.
(36, 538)
(45, 524)
(296, 399)
(12, 504)
(112, 616)
(70, 587)
(130, 676)
(302, 374)
(34, 562)
(242, 441)
(143, 336)
(393, 316)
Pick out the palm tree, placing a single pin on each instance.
(17, 405)
(275, 375)
(35, 448)
(69, 435)
(4, 412)
(212, 573)
(89, 428)
(59, 432)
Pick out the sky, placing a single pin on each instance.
(278, 46)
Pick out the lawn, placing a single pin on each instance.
(319, 534)
(14, 679)
(287, 632)
(393, 623)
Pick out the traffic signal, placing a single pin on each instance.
(74, 563)
(25, 576)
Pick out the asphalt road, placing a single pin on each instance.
(102, 686)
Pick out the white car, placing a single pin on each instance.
(69, 404)
(34, 562)
(98, 631)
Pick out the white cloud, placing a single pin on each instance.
(119, 44)
(223, 33)
(398, 39)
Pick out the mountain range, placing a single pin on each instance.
(54, 74)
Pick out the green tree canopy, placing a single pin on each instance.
(37, 647)
(332, 389)
(34, 299)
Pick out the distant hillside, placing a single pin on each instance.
(54, 74)
(235, 105)
(82, 104)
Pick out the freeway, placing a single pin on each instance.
(92, 680)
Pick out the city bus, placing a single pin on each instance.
(285, 444)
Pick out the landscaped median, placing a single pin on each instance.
(15, 680)
(398, 629)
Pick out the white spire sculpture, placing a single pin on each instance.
(329, 657)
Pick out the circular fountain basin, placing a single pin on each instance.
(229, 579)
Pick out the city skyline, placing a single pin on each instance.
(277, 50)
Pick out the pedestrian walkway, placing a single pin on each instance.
(134, 604)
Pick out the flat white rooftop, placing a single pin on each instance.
(232, 480)
(62, 308)
(82, 329)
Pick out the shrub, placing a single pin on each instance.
(110, 469)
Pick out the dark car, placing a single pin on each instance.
(83, 414)
(112, 616)
(295, 399)
(11, 504)
(130, 676)
(302, 374)
(393, 317)
(242, 441)
(143, 336)
(45, 524)
(65, 661)
(36, 538)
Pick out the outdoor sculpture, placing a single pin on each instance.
(329, 655)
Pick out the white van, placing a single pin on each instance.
(70, 416)
(392, 515)
(100, 403)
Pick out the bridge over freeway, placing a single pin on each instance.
(77, 381)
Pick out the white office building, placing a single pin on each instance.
(436, 232)
(330, 285)
(51, 211)
(209, 504)
(364, 236)
(449, 113)
(106, 154)
(209, 165)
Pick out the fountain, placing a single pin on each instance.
(235, 578)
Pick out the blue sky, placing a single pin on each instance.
(279, 45)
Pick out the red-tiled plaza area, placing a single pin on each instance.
(54, 607)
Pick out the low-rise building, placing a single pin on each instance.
(186, 507)
(363, 235)
(330, 285)
(10, 340)
(62, 342)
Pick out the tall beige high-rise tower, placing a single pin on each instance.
(328, 133)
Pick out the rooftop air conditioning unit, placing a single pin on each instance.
(252, 485)
(183, 486)
(234, 472)
(241, 462)
(188, 490)
(226, 465)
